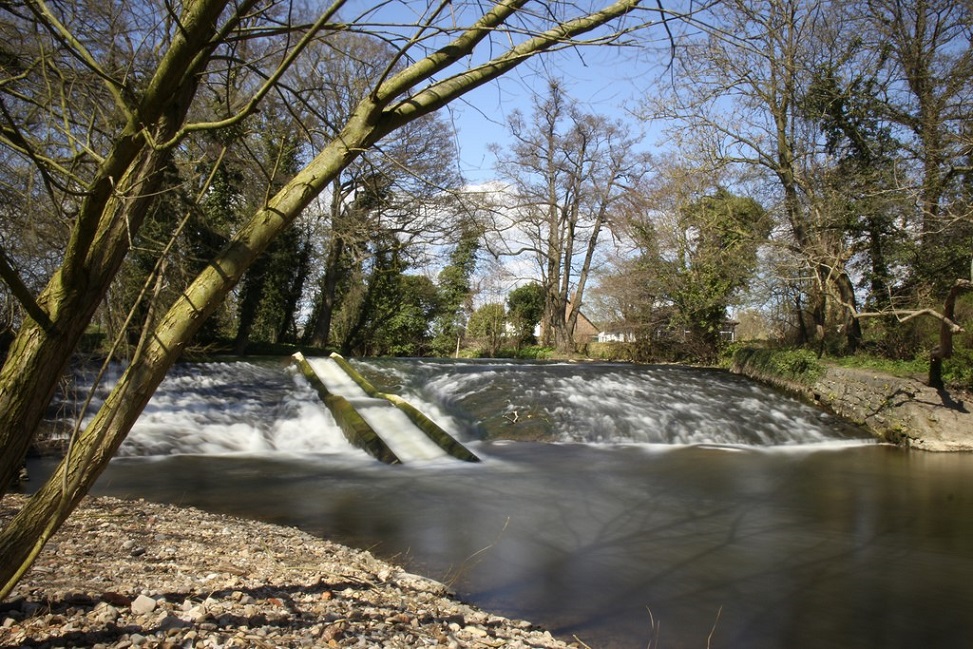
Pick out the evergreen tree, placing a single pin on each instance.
(456, 292)
(525, 308)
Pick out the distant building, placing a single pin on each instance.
(629, 333)
(585, 330)
(617, 334)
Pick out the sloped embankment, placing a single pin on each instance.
(899, 410)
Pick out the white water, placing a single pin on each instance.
(232, 408)
(404, 438)
(267, 408)
(613, 403)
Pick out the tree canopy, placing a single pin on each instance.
(97, 104)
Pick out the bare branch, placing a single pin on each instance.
(79, 51)
(904, 315)
(268, 85)
(22, 293)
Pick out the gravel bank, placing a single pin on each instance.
(137, 574)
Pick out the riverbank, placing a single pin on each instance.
(137, 574)
(898, 410)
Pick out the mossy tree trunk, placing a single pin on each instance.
(115, 201)
(42, 349)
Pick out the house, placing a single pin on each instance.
(629, 333)
(617, 334)
(585, 330)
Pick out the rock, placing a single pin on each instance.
(899, 410)
(143, 605)
(105, 613)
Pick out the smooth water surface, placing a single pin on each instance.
(775, 527)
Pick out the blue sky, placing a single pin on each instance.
(605, 80)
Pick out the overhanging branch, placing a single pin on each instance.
(22, 293)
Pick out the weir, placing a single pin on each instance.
(384, 425)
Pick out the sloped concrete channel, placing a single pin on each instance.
(384, 425)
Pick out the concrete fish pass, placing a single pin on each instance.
(384, 425)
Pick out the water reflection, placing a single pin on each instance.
(812, 541)
(857, 547)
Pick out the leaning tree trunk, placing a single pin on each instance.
(41, 352)
(24, 536)
(947, 328)
(113, 208)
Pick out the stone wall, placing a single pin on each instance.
(897, 410)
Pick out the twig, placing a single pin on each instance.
(709, 638)
(655, 626)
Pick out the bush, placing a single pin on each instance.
(958, 370)
(801, 365)
(534, 352)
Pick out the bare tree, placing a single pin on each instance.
(151, 113)
(392, 189)
(928, 98)
(568, 172)
(736, 103)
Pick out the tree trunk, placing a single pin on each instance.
(26, 534)
(321, 334)
(100, 240)
(40, 354)
(253, 292)
(946, 329)
(852, 326)
(287, 332)
(112, 210)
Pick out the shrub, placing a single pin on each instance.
(801, 365)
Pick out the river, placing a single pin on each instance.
(622, 505)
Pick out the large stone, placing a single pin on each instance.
(143, 605)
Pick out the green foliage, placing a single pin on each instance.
(273, 285)
(373, 302)
(488, 327)
(488, 320)
(535, 352)
(455, 291)
(611, 351)
(406, 333)
(801, 365)
(525, 307)
(957, 370)
(915, 367)
(709, 254)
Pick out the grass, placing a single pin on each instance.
(803, 365)
(904, 368)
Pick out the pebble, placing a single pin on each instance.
(143, 605)
(198, 580)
